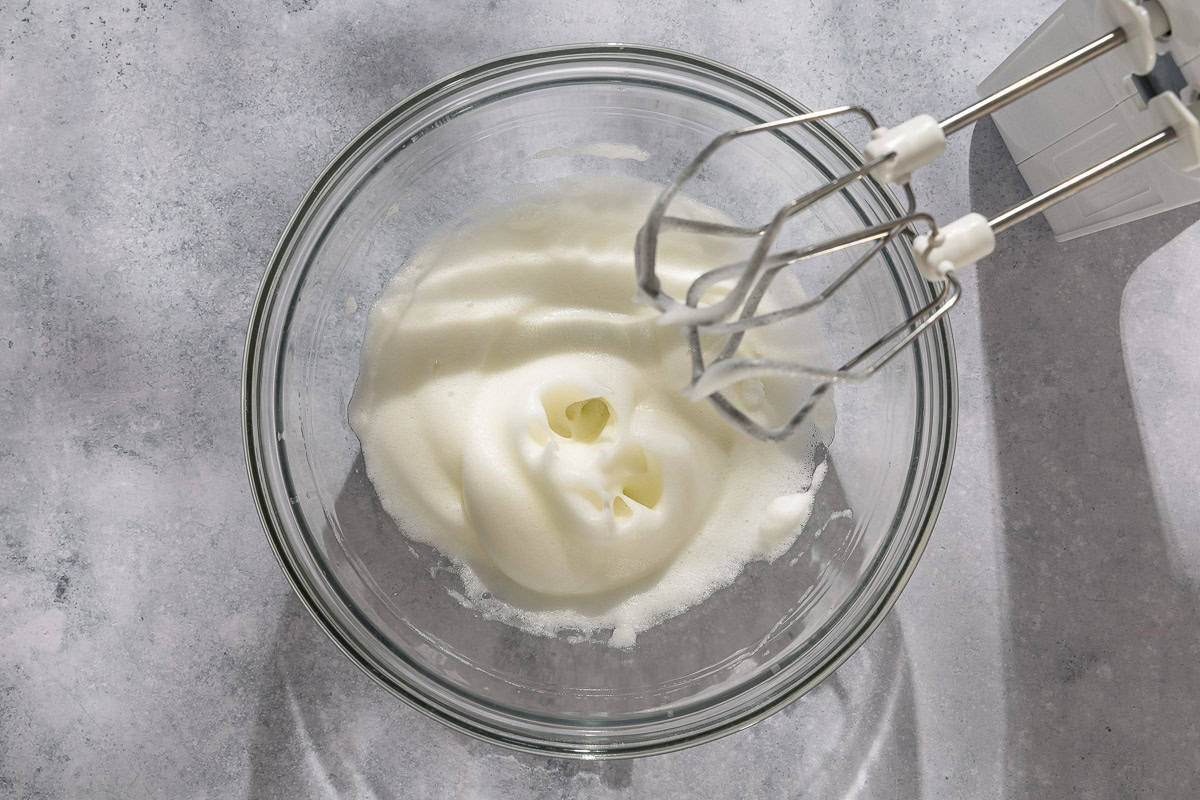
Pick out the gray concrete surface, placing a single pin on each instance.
(1047, 647)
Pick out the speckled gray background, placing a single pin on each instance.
(1047, 647)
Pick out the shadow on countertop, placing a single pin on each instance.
(324, 729)
(1103, 655)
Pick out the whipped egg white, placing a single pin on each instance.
(518, 411)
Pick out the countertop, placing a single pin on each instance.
(1048, 645)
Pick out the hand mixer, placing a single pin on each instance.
(892, 155)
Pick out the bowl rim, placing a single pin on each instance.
(251, 427)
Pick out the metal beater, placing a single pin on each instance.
(891, 156)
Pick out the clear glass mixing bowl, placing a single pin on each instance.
(476, 137)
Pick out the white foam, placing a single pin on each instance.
(472, 407)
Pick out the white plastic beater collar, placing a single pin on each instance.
(913, 144)
(1139, 50)
(962, 242)
(1171, 111)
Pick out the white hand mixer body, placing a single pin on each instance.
(892, 155)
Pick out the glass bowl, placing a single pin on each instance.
(478, 137)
